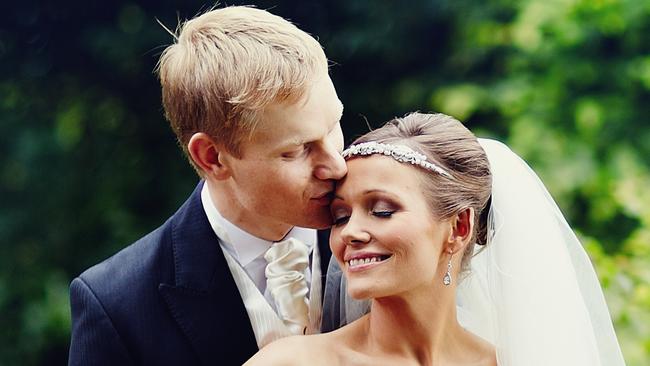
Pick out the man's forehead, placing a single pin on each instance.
(288, 135)
(293, 126)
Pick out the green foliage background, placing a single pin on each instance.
(88, 163)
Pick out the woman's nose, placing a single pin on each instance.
(354, 233)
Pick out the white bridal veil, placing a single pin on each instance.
(532, 291)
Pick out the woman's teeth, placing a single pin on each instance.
(360, 261)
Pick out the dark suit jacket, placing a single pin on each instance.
(167, 299)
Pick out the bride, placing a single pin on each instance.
(463, 254)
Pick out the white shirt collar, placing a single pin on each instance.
(243, 246)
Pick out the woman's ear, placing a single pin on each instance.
(208, 156)
(462, 226)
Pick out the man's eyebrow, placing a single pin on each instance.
(288, 144)
(295, 142)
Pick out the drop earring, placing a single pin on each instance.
(447, 279)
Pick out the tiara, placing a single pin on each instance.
(401, 153)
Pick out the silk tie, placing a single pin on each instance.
(286, 282)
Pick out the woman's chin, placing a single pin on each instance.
(359, 295)
(361, 292)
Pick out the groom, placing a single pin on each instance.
(241, 262)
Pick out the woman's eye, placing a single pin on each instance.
(383, 213)
(340, 215)
(341, 220)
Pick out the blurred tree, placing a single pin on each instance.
(88, 164)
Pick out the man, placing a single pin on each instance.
(240, 263)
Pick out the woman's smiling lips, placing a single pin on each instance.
(362, 261)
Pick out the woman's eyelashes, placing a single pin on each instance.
(382, 211)
(340, 220)
(340, 216)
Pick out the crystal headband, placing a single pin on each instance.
(401, 153)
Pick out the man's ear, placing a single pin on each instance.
(462, 226)
(208, 156)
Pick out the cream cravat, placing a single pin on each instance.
(285, 280)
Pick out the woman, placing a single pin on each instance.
(420, 193)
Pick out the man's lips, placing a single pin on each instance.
(324, 198)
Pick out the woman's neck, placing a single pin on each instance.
(426, 324)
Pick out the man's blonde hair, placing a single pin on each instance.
(227, 65)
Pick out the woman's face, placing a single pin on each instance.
(385, 237)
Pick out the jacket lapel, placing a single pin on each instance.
(203, 298)
(325, 254)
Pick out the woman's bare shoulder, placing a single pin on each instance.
(329, 349)
(295, 350)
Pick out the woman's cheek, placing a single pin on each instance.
(336, 245)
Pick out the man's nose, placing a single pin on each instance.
(332, 166)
